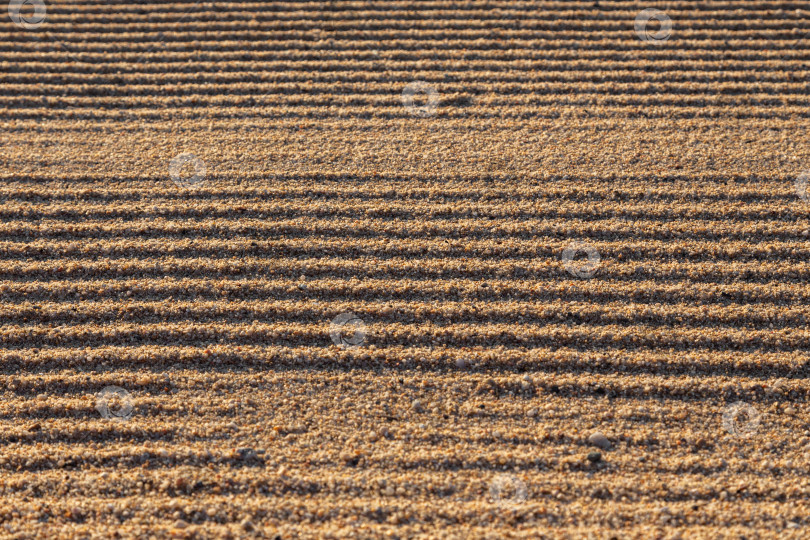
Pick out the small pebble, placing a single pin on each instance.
(599, 440)
(180, 524)
(461, 363)
(532, 413)
(416, 405)
(246, 453)
(594, 457)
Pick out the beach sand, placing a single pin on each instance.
(404, 270)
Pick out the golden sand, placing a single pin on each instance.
(192, 192)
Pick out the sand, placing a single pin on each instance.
(384, 269)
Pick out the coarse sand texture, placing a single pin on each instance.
(405, 269)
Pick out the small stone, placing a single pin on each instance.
(790, 410)
(247, 525)
(35, 427)
(180, 524)
(246, 453)
(599, 440)
(461, 363)
(594, 457)
(416, 405)
(532, 413)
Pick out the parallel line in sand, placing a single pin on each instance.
(523, 313)
(380, 84)
(734, 294)
(605, 336)
(495, 69)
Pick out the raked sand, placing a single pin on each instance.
(567, 230)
